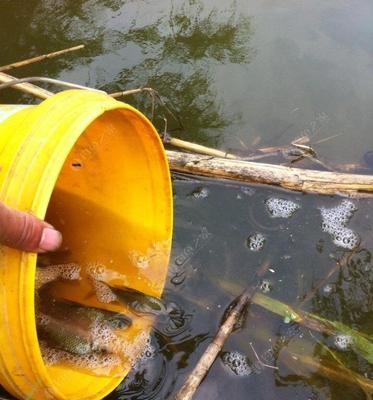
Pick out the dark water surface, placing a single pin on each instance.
(238, 75)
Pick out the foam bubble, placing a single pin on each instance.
(255, 242)
(103, 337)
(96, 270)
(200, 193)
(334, 222)
(281, 208)
(51, 273)
(139, 260)
(237, 363)
(346, 238)
(328, 289)
(98, 363)
(147, 354)
(265, 286)
(342, 341)
(103, 292)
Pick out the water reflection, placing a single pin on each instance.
(171, 52)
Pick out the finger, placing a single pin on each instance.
(25, 232)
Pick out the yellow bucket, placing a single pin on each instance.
(96, 169)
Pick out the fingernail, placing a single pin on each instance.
(50, 240)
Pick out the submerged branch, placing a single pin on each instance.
(205, 362)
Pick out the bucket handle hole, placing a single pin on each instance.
(76, 164)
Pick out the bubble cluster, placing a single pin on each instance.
(103, 292)
(281, 208)
(200, 193)
(342, 341)
(103, 338)
(52, 273)
(328, 289)
(147, 354)
(237, 363)
(96, 270)
(265, 286)
(98, 363)
(334, 222)
(139, 260)
(255, 242)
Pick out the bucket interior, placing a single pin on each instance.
(112, 203)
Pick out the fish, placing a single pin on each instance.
(140, 302)
(72, 327)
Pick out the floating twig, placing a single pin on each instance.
(33, 60)
(260, 361)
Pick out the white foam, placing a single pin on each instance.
(334, 222)
(342, 341)
(281, 208)
(51, 273)
(237, 363)
(265, 286)
(328, 289)
(139, 260)
(147, 354)
(256, 241)
(103, 292)
(200, 193)
(99, 364)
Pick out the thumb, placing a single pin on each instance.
(25, 232)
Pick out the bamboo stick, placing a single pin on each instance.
(28, 88)
(303, 180)
(39, 58)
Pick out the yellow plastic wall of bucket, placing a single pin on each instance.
(95, 167)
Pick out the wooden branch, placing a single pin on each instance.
(303, 180)
(131, 91)
(197, 148)
(208, 357)
(28, 88)
(39, 58)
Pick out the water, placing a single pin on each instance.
(211, 264)
(238, 75)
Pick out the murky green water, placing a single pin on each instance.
(239, 75)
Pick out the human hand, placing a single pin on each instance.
(25, 232)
